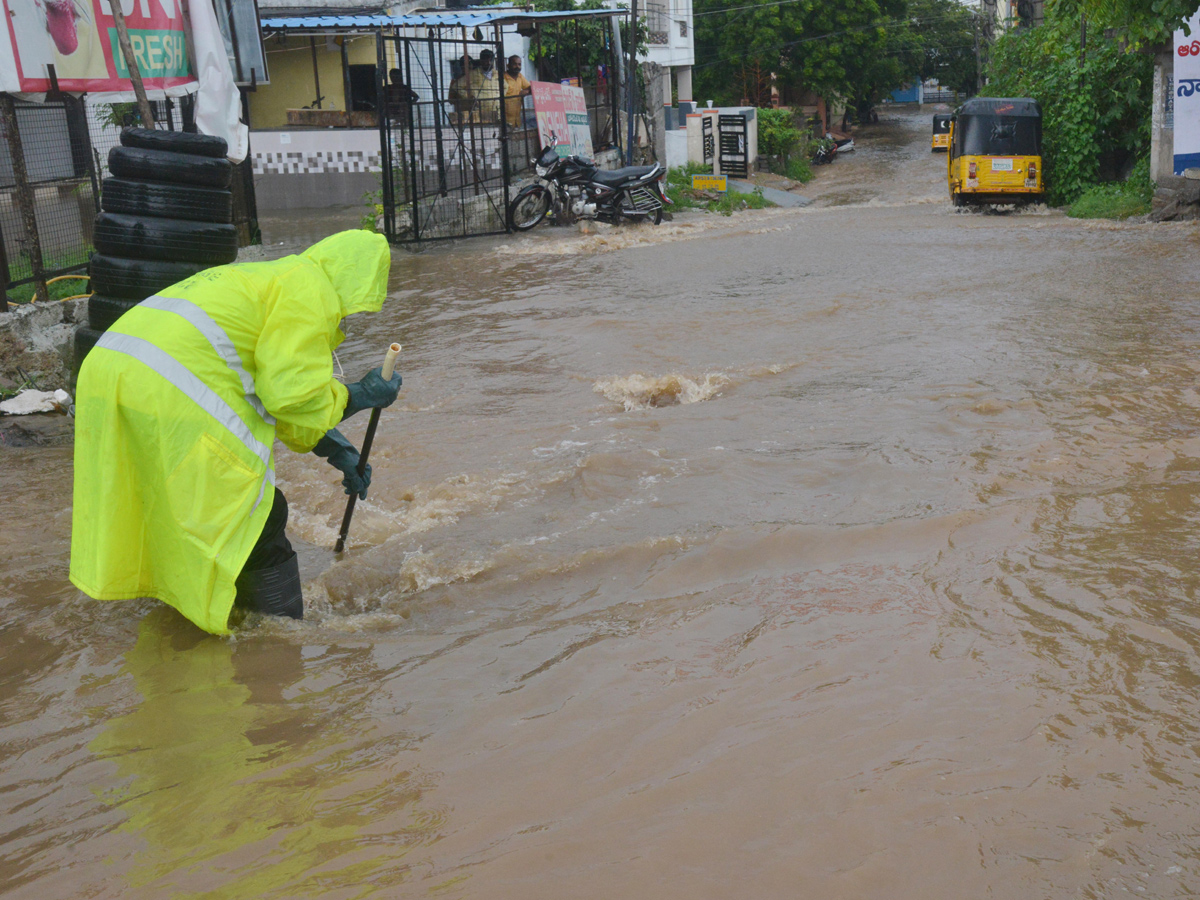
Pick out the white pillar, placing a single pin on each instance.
(665, 76)
(683, 82)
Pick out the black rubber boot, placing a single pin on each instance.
(273, 591)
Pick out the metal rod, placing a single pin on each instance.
(135, 74)
(389, 363)
(312, 43)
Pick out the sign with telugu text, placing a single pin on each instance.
(1187, 97)
(710, 183)
(562, 118)
(79, 39)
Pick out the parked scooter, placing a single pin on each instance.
(573, 187)
(829, 147)
(825, 152)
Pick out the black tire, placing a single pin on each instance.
(85, 340)
(137, 279)
(958, 200)
(175, 141)
(174, 240)
(104, 311)
(163, 165)
(529, 207)
(167, 201)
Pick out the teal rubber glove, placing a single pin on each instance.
(342, 455)
(372, 392)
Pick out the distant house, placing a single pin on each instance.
(909, 92)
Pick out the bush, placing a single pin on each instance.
(798, 169)
(1096, 116)
(778, 136)
(680, 193)
(1118, 200)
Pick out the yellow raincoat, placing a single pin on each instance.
(177, 410)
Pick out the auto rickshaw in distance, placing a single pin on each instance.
(995, 152)
(941, 132)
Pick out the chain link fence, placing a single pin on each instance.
(48, 191)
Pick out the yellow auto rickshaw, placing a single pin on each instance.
(995, 152)
(941, 132)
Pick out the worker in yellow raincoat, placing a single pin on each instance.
(177, 410)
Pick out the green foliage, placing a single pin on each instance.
(798, 169)
(1096, 113)
(119, 115)
(778, 135)
(835, 49)
(1140, 22)
(60, 290)
(1118, 200)
(944, 33)
(680, 193)
(855, 50)
(373, 200)
(556, 53)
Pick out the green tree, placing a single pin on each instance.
(836, 50)
(857, 50)
(1095, 106)
(944, 32)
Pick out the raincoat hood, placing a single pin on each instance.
(356, 264)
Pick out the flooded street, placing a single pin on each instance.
(838, 552)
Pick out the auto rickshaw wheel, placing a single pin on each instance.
(958, 200)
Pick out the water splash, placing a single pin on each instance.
(649, 391)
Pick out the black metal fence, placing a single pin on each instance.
(455, 148)
(48, 190)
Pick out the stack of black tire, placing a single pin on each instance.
(166, 214)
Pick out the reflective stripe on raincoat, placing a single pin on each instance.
(177, 410)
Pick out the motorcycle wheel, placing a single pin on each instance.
(528, 208)
(654, 218)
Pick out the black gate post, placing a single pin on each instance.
(385, 142)
(414, 111)
(438, 112)
(504, 167)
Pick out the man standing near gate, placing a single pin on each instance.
(516, 87)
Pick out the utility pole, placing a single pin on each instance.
(1082, 38)
(135, 74)
(632, 80)
(978, 60)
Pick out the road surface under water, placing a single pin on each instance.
(847, 551)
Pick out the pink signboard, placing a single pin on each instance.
(562, 118)
(79, 39)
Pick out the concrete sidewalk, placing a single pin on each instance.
(776, 196)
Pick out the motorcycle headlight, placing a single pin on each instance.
(541, 171)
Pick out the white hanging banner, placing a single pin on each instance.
(1187, 97)
(218, 102)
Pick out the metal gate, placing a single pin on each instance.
(706, 134)
(445, 148)
(731, 139)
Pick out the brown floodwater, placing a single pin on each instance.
(845, 551)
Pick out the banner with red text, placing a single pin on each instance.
(562, 118)
(78, 38)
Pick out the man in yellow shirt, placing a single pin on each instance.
(516, 86)
(476, 93)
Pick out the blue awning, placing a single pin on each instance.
(448, 19)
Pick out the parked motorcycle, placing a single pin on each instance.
(573, 187)
(829, 147)
(825, 151)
